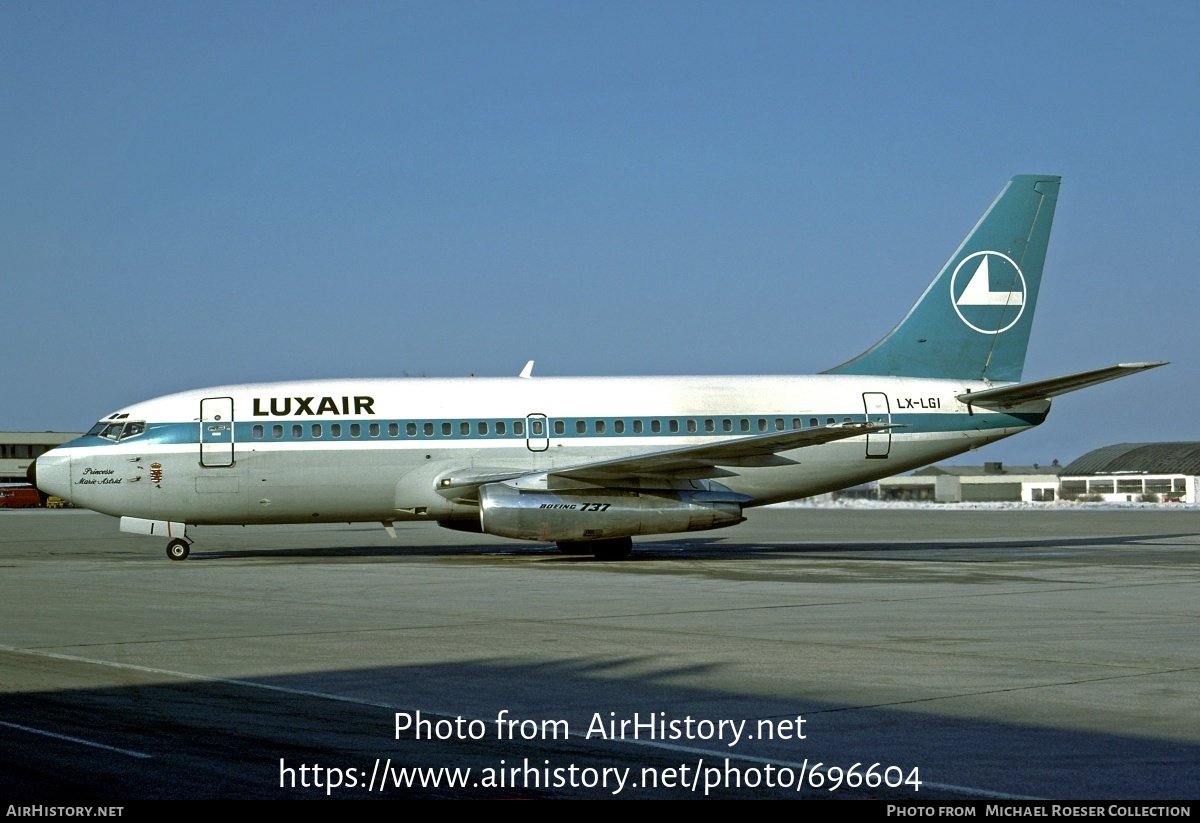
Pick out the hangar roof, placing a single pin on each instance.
(1139, 458)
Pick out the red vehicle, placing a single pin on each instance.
(19, 498)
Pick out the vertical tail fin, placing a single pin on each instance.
(973, 321)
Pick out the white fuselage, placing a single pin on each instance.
(374, 450)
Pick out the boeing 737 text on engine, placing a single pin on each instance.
(589, 463)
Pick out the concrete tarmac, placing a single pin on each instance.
(980, 654)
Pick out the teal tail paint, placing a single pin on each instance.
(973, 321)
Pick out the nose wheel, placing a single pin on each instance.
(178, 549)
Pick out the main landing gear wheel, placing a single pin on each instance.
(617, 548)
(614, 548)
(178, 549)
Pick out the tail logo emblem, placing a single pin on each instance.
(983, 307)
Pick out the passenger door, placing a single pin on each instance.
(216, 432)
(537, 432)
(878, 412)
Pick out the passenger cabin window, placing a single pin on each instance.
(519, 428)
(277, 431)
(744, 424)
(447, 429)
(726, 425)
(600, 426)
(778, 424)
(691, 426)
(813, 421)
(257, 432)
(656, 426)
(428, 429)
(637, 426)
(710, 426)
(482, 428)
(297, 431)
(316, 430)
(464, 428)
(580, 427)
(394, 429)
(560, 427)
(335, 429)
(673, 425)
(501, 428)
(762, 424)
(618, 427)
(355, 430)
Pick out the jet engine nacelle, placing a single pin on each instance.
(604, 513)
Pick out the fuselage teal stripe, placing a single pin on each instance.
(574, 428)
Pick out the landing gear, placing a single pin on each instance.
(178, 549)
(615, 548)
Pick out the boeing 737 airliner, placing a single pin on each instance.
(588, 463)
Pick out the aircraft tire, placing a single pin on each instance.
(574, 547)
(178, 549)
(617, 548)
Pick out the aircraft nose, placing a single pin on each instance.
(51, 473)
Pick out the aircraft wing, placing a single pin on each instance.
(1052, 386)
(707, 457)
(689, 461)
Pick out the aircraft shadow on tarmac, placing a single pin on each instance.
(226, 739)
(716, 548)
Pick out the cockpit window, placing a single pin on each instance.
(112, 431)
(118, 431)
(96, 429)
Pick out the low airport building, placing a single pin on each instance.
(1134, 472)
(19, 449)
(992, 482)
(1122, 473)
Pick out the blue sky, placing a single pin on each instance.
(194, 194)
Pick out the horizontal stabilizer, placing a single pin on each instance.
(1052, 386)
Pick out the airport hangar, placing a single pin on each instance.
(1121, 473)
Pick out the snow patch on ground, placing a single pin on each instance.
(1060, 505)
